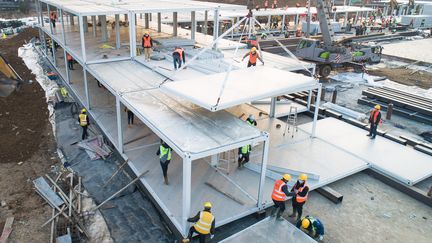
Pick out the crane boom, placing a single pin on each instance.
(323, 13)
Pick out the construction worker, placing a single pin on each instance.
(253, 56)
(301, 191)
(252, 41)
(243, 155)
(312, 226)
(69, 61)
(179, 57)
(204, 224)
(147, 44)
(251, 120)
(164, 153)
(53, 18)
(84, 122)
(374, 120)
(130, 116)
(279, 196)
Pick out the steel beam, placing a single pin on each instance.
(272, 107)
(317, 104)
(53, 52)
(263, 172)
(71, 18)
(186, 199)
(119, 124)
(86, 89)
(82, 38)
(216, 27)
(117, 30)
(132, 29)
(205, 27)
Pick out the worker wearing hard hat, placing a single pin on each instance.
(204, 224)
(312, 226)
(179, 57)
(164, 153)
(253, 56)
(147, 44)
(301, 191)
(374, 120)
(84, 122)
(279, 196)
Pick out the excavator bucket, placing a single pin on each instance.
(9, 79)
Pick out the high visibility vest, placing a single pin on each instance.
(83, 120)
(278, 194)
(69, 57)
(146, 41)
(250, 122)
(204, 223)
(300, 199)
(180, 52)
(374, 115)
(165, 152)
(253, 57)
(245, 149)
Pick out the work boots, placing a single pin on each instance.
(278, 215)
(166, 180)
(274, 211)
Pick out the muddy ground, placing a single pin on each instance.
(27, 149)
(405, 76)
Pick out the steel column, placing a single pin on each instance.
(117, 30)
(104, 29)
(175, 23)
(119, 124)
(205, 22)
(272, 107)
(317, 104)
(308, 20)
(86, 87)
(263, 172)
(309, 100)
(216, 26)
(63, 27)
(193, 25)
(53, 52)
(85, 20)
(283, 22)
(187, 174)
(83, 48)
(49, 17)
(41, 14)
(132, 29)
(159, 22)
(71, 17)
(94, 25)
(146, 21)
(66, 67)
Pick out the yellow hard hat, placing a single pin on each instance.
(286, 177)
(83, 110)
(253, 49)
(207, 205)
(378, 107)
(146, 32)
(305, 223)
(303, 177)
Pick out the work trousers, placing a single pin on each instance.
(70, 64)
(192, 230)
(243, 159)
(176, 59)
(280, 205)
(84, 132)
(251, 64)
(297, 207)
(147, 53)
(53, 22)
(131, 117)
(164, 166)
(373, 130)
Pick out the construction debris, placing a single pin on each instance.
(95, 148)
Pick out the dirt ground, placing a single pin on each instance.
(27, 149)
(405, 76)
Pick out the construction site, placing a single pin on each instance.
(216, 121)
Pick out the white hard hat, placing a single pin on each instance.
(252, 117)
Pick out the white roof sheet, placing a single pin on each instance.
(242, 86)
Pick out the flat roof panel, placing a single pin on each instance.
(241, 86)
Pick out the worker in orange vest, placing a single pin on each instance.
(147, 44)
(53, 18)
(374, 120)
(69, 61)
(179, 57)
(279, 196)
(253, 56)
(301, 191)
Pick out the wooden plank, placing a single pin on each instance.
(7, 230)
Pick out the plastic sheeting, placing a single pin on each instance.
(242, 86)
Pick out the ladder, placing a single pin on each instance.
(291, 121)
(323, 13)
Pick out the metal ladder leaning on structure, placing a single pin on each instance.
(291, 121)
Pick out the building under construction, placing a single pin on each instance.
(200, 108)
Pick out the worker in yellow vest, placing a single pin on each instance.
(204, 224)
(84, 122)
(164, 153)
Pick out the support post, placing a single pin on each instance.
(49, 17)
(82, 38)
(94, 25)
(263, 173)
(159, 22)
(104, 29)
(272, 107)
(38, 12)
(308, 20)
(41, 14)
(269, 22)
(309, 100)
(63, 26)
(283, 23)
(86, 87)
(53, 52)
(214, 160)
(216, 26)
(175, 24)
(345, 20)
(187, 174)
(193, 25)
(66, 67)
(85, 20)
(206, 22)
(132, 38)
(119, 124)
(317, 104)
(117, 30)
(146, 21)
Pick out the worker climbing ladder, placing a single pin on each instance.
(291, 121)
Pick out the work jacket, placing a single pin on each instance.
(315, 228)
(180, 53)
(302, 192)
(69, 57)
(205, 222)
(251, 122)
(83, 120)
(245, 149)
(375, 117)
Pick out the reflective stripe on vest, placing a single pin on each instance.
(300, 199)
(278, 194)
(180, 52)
(250, 122)
(165, 152)
(83, 120)
(146, 40)
(253, 57)
(245, 149)
(374, 115)
(204, 224)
